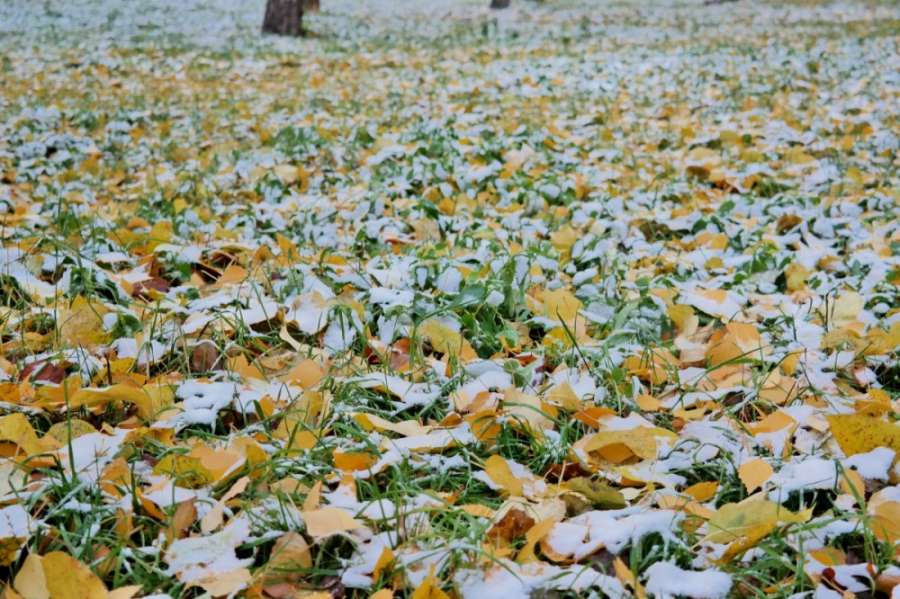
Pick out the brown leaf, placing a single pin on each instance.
(143, 290)
(205, 357)
(514, 523)
(184, 517)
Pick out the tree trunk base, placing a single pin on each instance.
(284, 17)
(499, 4)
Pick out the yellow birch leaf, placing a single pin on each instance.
(328, 521)
(215, 517)
(845, 309)
(534, 534)
(30, 581)
(702, 491)
(737, 341)
(639, 441)
(15, 428)
(149, 400)
(125, 592)
(498, 470)
(885, 524)
(68, 578)
(186, 471)
(829, 556)
(742, 525)
(290, 553)
(861, 434)
(684, 318)
(445, 340)
(527, 409)
(407, 428)
(561, 306)
(73, 428)
(429, 589)
(796, 275)
(565, 397)
(82, 323)
(648, 403)
(755, 473)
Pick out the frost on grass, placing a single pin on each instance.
(581, 299)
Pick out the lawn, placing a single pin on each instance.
(572, 299)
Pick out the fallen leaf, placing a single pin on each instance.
(755, 473)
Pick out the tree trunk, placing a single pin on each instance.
(310, 5)
(284, 17)
(499, 3)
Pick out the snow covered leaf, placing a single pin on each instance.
(14, 532)
(668, 580)
(211, 562)
(500, 472)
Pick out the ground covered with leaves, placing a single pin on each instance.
(576, 299)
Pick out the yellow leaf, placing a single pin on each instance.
(829, 556)
(528, 409)
(82, 324)
(289, 173)
(15, 428)
(796, 275)
(702, 491)
(885, 523)
(328, 521)
(445, 340)
(564, 238)
(150, 400)
(72, 428)
(776, 421)
(706, 156)
(429, 589)
(30, 581)
(684, 318)
(619, 445)
(125, 592)
(861, 434)
(737, 341)
(407, 428)
(289, 554)
(534, 534)
(215, 517)
(742, 525)
(564, 396)
(561, 306)
(755, 473)
(308, 372)
(498, 470)
(845, 309)
(185, 470)
(221, 585)
(68, 578)
(648, 403)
